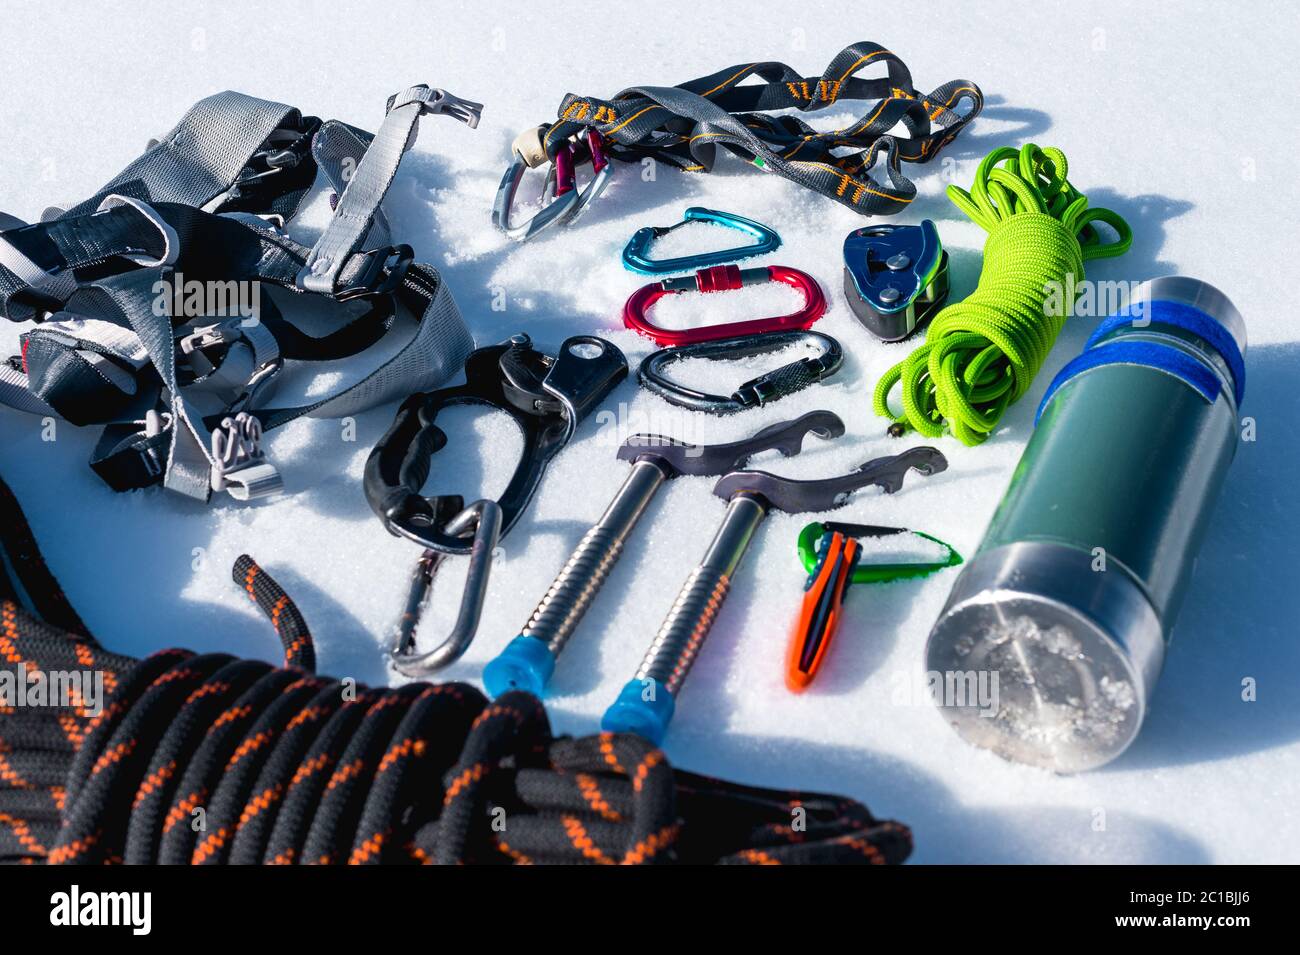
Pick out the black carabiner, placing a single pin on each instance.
(767, 387)
(545, 395)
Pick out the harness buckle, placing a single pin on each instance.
(239, 463)
(383, 273)
(222, 333)
(449, 104)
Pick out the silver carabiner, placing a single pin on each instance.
(528, 153)
(564, 202)
(484, 519)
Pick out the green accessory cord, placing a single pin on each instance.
(981, 354)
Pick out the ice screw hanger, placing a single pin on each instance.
(528, 660)
(719, 278)
(646, 704)
(635, 255)
(832, 556)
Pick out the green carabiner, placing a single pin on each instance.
(812, 534)
(832, 557)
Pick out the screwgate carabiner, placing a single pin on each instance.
(764, 389)
(636, 259)
(722, 278)
(563, 201)
(484, 517)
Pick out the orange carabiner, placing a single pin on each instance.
(820, 614)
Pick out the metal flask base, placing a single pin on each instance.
(1065, 656)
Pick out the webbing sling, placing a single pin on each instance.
(208, 759)
(185, 396)
(684, 125)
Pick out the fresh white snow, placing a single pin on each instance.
(1164, 115)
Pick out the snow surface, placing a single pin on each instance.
(1145, 103)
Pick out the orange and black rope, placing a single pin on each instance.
(207, 759)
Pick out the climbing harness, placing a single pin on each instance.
(636, 252)
(646, 704)
(546, 396)
(562, 201)
(289, 767)
(528, 660)
(981, 354)
(721, 278)
(161, 303)
(832, 557)
(895, 277)
(683, 126)
(755, 393)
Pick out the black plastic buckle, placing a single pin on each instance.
(384, 271)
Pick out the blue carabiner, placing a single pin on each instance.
(635, 258)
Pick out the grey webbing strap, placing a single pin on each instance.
(356, 209)
(17, 271)
(338, 150)
(188, 464)
(201, 158)
(434, 354)
(685, 125)
(250, 348)
(14, 393)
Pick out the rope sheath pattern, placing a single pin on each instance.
(206, 759)
(981, 354)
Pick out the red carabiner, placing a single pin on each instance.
(721, 278)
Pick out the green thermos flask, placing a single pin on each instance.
(1066, 609)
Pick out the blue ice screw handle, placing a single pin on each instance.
(632, 712)
(635, 257)
(525, 664)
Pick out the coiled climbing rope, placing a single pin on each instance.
(981, 354)
(205, 759)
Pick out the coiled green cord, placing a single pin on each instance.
(982, 353)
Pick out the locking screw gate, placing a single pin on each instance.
(720, 278)
(483, 519)
(564, 202)
(758, 391)
(528, 660)
(646, 704)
